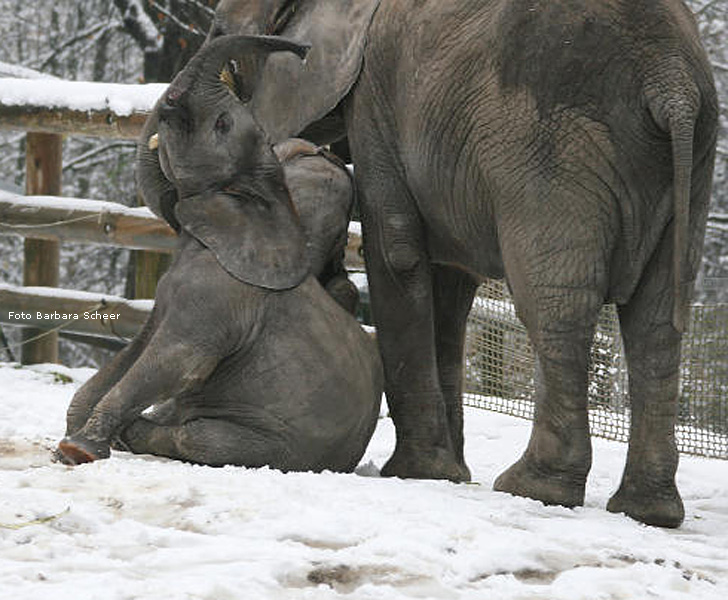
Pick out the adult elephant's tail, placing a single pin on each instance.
(681, 131)
(675, 109)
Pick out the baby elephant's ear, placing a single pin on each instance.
(257, 241)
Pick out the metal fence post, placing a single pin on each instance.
(42, 177)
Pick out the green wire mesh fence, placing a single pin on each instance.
(499, 369)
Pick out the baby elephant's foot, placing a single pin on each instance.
(550, 487)
(662, 509)
(76, 450)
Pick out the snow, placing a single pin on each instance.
(135, 12)
(355, 228)
(10, 70)
(141, 527)
(121, 99)
(51, 292)
(79, 204)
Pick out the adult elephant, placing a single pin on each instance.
(566, 145)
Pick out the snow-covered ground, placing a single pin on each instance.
(140, 527)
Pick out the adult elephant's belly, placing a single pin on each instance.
(457, 210)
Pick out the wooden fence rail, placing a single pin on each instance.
(99, 315)
(54, 106)
(89, 221)
(59, 121)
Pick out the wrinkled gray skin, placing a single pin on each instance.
(323, 196)
(566, 145)
(247, 360)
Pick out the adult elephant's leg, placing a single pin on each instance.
(453, 296)
(401, 291)
(558, 288)
(652, 347)
(212, 442)
(91, 393)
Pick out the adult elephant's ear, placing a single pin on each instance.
(257, 240)
(292, 94)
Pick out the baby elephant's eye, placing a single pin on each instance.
(223, 123)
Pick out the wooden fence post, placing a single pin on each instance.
(43, 164)
(148, 270)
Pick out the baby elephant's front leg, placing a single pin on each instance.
(93, 391)
(166, 368)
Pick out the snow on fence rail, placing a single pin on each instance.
(109, 110)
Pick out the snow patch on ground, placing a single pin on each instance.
(143, 527)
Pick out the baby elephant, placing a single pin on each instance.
(247, 360)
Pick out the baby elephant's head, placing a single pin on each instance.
(208, 136)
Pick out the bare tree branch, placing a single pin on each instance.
(184, 26)
(200, 6)
(79, 160)
(98, 28)
(138, 24)
(706, 6)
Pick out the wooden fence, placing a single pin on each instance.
(83, 109)
(45, 219)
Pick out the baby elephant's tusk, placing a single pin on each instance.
(154, 142)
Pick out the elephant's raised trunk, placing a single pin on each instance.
(248, 52)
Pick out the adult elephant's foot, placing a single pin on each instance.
(76, 450)
(425, 463)
(661, 508)
(527, 479)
